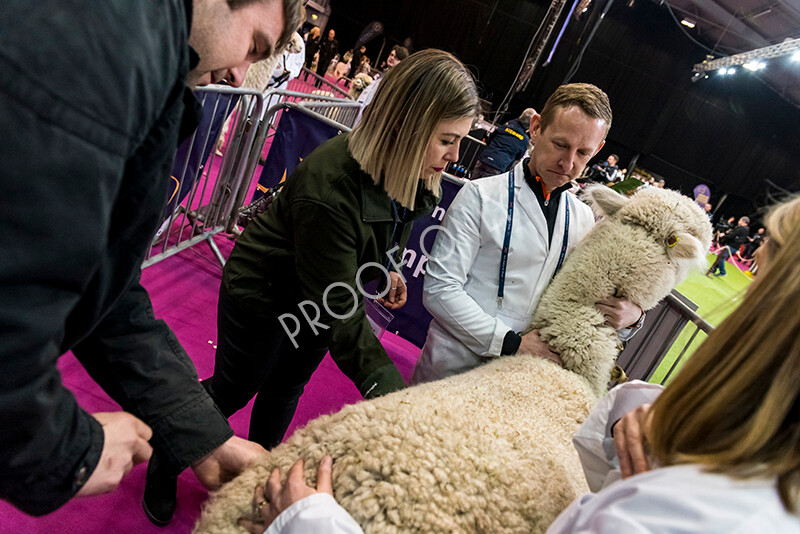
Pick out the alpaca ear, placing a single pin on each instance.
(684, 246)
(604, 200)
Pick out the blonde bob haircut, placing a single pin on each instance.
(391, 140)
(735, 406)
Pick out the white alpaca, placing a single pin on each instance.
(490, 450)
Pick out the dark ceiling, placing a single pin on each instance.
(728, 27)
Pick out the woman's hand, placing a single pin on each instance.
(630, 440)
(270, 500)
(397, 296)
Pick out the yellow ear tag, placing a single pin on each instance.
(672, 241)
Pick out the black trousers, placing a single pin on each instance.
(256, 357)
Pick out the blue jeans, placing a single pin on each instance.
(720, 261)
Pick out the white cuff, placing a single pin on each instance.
(314, 514)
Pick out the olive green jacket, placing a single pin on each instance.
(329, 220)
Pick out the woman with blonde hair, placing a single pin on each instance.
(293, 286)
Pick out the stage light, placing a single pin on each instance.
(314, 16)
(753, 60)
(688, 23)
(754, 65)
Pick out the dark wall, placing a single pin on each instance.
(731, 133)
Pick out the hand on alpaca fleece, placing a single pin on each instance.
(227, 461)
(532, 344)
(619, 313)
(280, 497)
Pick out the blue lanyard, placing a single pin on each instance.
(507, 239)
(565, 241)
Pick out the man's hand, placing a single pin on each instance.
(125, 444)
(619, 313)
(227, 461)
(630, 441)
(269, 502)
(533, 344)
(396, 298)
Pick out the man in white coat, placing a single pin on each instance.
(480, 296)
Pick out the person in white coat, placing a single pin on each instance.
(722, 435)
(504, 237)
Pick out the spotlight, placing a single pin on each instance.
(754, 65)
(688, 23)
(796, 56)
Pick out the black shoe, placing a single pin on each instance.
(160, 493)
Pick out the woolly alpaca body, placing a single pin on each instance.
(490, 450)
(627, 254)
(486, 451)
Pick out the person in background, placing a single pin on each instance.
(715, 452)
(505, 146)
(723, 227)
(731, 242)
(312, 47)
(398, 54)
(290, 63)
(90, 126)
(328, 49)
(355, 62)
(708, 207)
(604, 172)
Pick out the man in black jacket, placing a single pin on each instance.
(505, 146)
(92, 97)
(731, 242)
(328, 48)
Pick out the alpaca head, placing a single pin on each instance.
(678, 226)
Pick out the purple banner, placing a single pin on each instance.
(193, 153)
(702, 194)
(297, 135)
(411, 321)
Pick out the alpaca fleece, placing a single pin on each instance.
(486, 451)
(490, 450)
(640, 250)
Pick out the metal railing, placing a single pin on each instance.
(221, 177)
(665, 323)
(216, 175)
(325, 87)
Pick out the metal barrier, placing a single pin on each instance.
(215, 177)
(221, 179)
(645, 351)
(324, 85)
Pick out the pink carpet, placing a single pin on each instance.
(184, 292)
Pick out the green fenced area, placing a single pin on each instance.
(716, 297)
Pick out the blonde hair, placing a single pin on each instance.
(735, 406)
(391, 140)
(591, 99)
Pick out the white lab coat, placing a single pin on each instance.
(678, 499)
(291, 61)
(366, 97)
(462, 276)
